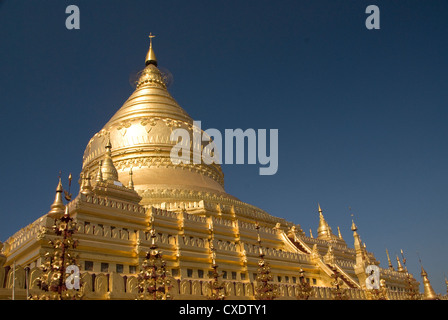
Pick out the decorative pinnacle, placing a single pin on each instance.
(400, 267)
(109, 144)
(151, 56)
(131, 182)
(66, 213)
(150, 38)
(99, 176)
(354, 227)
(402, 255)
(339, 233)
(57, 208)
(388, 260)
(109, 172)
(59, 187)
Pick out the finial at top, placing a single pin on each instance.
(354, 227)
(400, 267)
(402, 255)
(150, 38)
(57, 208)
(151, 56)
(391, 267)
(99, 176)
(59, 187)
(131, 182)
(108, 144)
(339, 233)
(66, 213)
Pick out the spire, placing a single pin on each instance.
(391, 267)
(99, 175)
(108, 145)
(109, 172)
(324, 230)
(400, 267)
(151, 56)
(354, 227)
(311, 233)
(358, 242)
(58, 207)
(339, 233)
(429, 293)
(404, 261)
(360, 247)
(131, 182)
(86, 187)
(66, 212)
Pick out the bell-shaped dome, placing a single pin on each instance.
(138, 137)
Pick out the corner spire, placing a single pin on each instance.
(86, 186)
(99, 175)
(58, 207)
(324, 230)
(109, 172)
(339, 234)
(391, 267)
(131, 182)
(151, 56)
(354, 227)
(400, 267)
(429, 293)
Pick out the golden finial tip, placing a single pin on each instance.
(151, 56)
(354, 227)
(150, 37)
(59, 187)
(108, 144)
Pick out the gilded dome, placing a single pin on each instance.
(139, 134)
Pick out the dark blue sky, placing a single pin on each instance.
(362, 114)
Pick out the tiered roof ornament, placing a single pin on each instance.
(151, 56)
(58, 207)
(391, 267)
(324, 230)
(109, 172)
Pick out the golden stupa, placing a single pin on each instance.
(128, 182)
